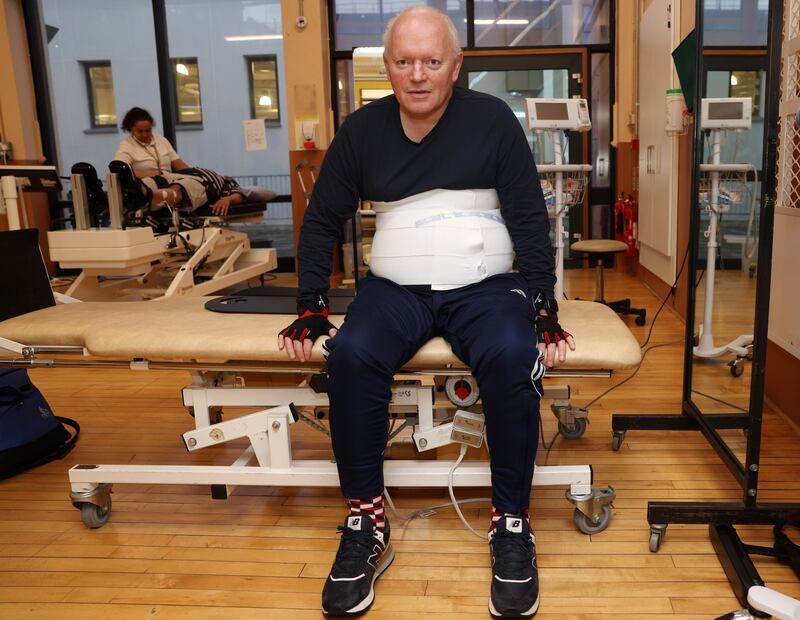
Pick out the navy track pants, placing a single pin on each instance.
(490, 326)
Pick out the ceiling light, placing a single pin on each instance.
(181, 68)
(265, 100)
(255, 37)
(502, 22)
(734, 81)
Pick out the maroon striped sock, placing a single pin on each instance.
(496, 516)
(372, 507)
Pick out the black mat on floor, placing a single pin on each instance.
(275, 300)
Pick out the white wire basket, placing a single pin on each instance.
(574, 182)
(734, 192)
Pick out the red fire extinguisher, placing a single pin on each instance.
(630, 211)
(619, 218)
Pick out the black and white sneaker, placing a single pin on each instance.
(364, 553)
(515, 578)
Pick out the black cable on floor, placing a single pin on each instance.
(633, 374)
(664, 301)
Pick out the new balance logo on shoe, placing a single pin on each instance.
(354, 523)
(514, 525)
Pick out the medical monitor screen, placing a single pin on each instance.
(550, 111)
(725, 110)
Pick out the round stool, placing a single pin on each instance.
(602, 250)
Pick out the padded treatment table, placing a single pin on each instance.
(179, 333)
(180, 329)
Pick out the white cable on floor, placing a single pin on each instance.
(454, 503)
(453, 495)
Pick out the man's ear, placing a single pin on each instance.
(457, 69)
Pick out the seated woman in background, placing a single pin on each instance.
(147, 153)
(196, 187)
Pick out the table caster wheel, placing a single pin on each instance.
(587, 526)
(616, 440)
(577, 429)
(640, 320)
(656, 537)
(94, 516)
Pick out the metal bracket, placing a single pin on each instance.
(568, 413)
(97, 494)
(592, 503)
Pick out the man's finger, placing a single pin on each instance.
(289, 348)
(280, 342)
(298, 350)
(332, 332)
(307, 346)
(550, 355)
(562, 351)
(571, 342)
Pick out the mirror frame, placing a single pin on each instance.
(746, 473)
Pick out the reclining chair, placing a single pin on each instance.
(151, 253)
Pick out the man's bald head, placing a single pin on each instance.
(424, 12)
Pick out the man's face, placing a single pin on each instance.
(421, 65)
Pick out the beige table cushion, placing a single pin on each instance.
(181, 329)
(599, 246)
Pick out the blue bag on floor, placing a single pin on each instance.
(30, 434)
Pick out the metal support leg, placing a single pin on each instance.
(736, 562)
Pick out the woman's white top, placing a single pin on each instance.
(443, 238)
(157, 156)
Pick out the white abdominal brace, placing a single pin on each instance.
(443, 238)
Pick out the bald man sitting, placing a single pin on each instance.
(458, 201)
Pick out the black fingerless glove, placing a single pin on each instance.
(312, 321)
(548, 330)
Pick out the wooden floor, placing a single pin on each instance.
(172, 552)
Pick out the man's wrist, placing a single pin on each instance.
(315, 302)
(544, 304)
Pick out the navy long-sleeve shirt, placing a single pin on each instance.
(478, 143)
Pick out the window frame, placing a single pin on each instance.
(87, 66)
(249, 60)
(175, 100)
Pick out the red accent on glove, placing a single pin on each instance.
(309, 313)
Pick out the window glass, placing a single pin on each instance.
(738, 23)
(541, 23)
(264, 88)
(187, 90)
(88, 105)
(360, 23)
(102, 110)
(238, 45)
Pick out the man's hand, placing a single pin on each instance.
(553, 340)
(298, 339)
